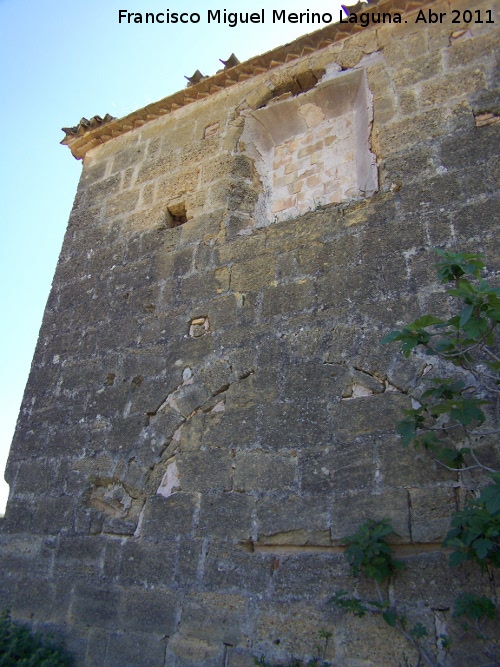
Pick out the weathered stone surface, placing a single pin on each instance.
(263, 471)
(165, 517)
(367, 414)
(338, 466)
(430, 511)
(309, 576)
(386, 504)
(230, 568)
(96, 605)
(149, 611)
(205, 470)
(215, 616)
(147, 563)
(295, 425)
(133, 648)
(303, 622)
(226, 516)
(293, 520)
(187, 651)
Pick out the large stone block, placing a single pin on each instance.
(430, 513)
(349, 510)
(403, 467)
(283, 630)
(309, 576)
(440, 90)
(291, 519)
(188, 651)
(227, 516)
(286, 300)
(135, 649)
(258, 470)
(236, 428)
(368, 414)
(149, 610)
(205, 470)
(215, 617)
(165, 518)
(146, 563)
(340, 465)
(419, 69)
(295, 425)
(232, 569)
(190, 563)
(252, 274)
(80, 557)
(95, 605)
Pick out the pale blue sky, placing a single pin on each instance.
(60, 61)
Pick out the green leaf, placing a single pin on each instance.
(425, 321)
(482, 547)
(419, 631)
(407, 430)
(454, 265)
(444, 388)
(490, 496)
(467, 411)
(475, 607)
(368, 552)
(457, 558)
(352, 605)
(453, 458)
(390, 337)
(390, 617)
(427, 440)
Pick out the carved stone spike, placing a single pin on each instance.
(195, 78)
(232, 61)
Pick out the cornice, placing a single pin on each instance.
(98, 130)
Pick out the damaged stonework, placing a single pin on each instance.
(119, 507)
(486, 119)
(313, 149)
(199, 326)
(170, 481)
(362, 383)
(118, 504)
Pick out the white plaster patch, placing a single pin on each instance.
(358, 391)
(170, 482)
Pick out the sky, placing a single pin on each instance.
(60, 61)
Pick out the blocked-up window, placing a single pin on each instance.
(313, 149)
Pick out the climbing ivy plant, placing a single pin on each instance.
(448, 419)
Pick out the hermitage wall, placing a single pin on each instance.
(209, 410)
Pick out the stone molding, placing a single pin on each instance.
(89, 134)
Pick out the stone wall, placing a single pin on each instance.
(209, 411)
